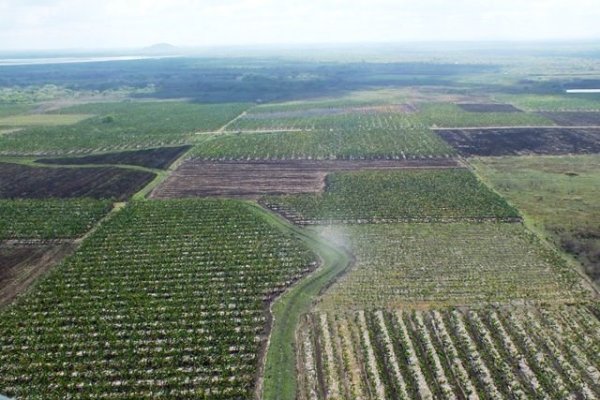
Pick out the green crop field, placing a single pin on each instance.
(43, 119)
(436, 265)
(166, 297)
(559, 194)
(554, 102)
(392, 196)
(49, 219)
(122, 125)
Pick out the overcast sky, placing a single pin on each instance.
(61, 24)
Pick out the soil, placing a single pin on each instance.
(488, 107)
(160, 158)
(520, 141)
(580, 118)
(22, 264)
(22, 181)
(195, 178)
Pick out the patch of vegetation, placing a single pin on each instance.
(437, 265)
(160, 158)
(43, 119)
(170, 295)
(385, 196)
(49, 219)
(554, 102)
(123, 125)
(559, 194)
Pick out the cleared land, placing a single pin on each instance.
(489, 353)
(21, 265)
(50, 218)
(488, 107)
(160, 158)
(559, 195)
(21, 181)
(581, 118)
(436, 265)
(121, 126)
(166, 297)
(197, 178)
(396, 196)
(519, 141)
(43, 119)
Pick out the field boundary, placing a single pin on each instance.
(278, 368)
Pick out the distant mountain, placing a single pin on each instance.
(161, 48)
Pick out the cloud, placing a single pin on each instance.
(27, 24)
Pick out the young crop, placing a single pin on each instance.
(166, 298)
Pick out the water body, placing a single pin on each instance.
(71, 60)
(583, 91)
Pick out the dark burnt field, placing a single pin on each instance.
(21, 265)
(21, 181)
(580, 118)
(521, 141)
(160, 158)
(488, 107)
(195, 178)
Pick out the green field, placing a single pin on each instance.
(165, 297)
(392, 196)
(49, 219)
(559, 195)
(436, 265)
(554, 102)
(124, 125)
(43, 119)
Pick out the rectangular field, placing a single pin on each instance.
(166, 297)
(25, 182)
(396, 196)
(437, 265)
(489, 353)
(197, 178)
(43, 119)
(520, 141)
(581, 118)
(488, 107)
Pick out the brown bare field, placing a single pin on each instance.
(196, 178)
(520, 141)
(22, 264)
(488, 107)
(579, 118)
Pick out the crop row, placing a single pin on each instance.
(49, 219)
(391, 196)
(416, 265)
(490, 353)
(166, 299)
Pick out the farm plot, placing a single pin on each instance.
(581, 118)
(49, 219)
(160, 158)
(196, 178)
(43, 119)
(395, 196)
(121, 126)
(489, 353)
(21, 181)
(519, 141)
(559, 195)
(553, 102)
(22, 264)
(488, 107)
(435, 265)
(167, 297)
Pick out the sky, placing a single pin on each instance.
(92, 24)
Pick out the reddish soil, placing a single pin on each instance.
(488, 107)
(519, 141)
(22, 181)
(580, 118)
(160, 158)
(195, 178)
(21, 265)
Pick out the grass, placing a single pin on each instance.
(386, 196)
(553, 102)
(43, 119)
(439, 265)
(558, 194)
